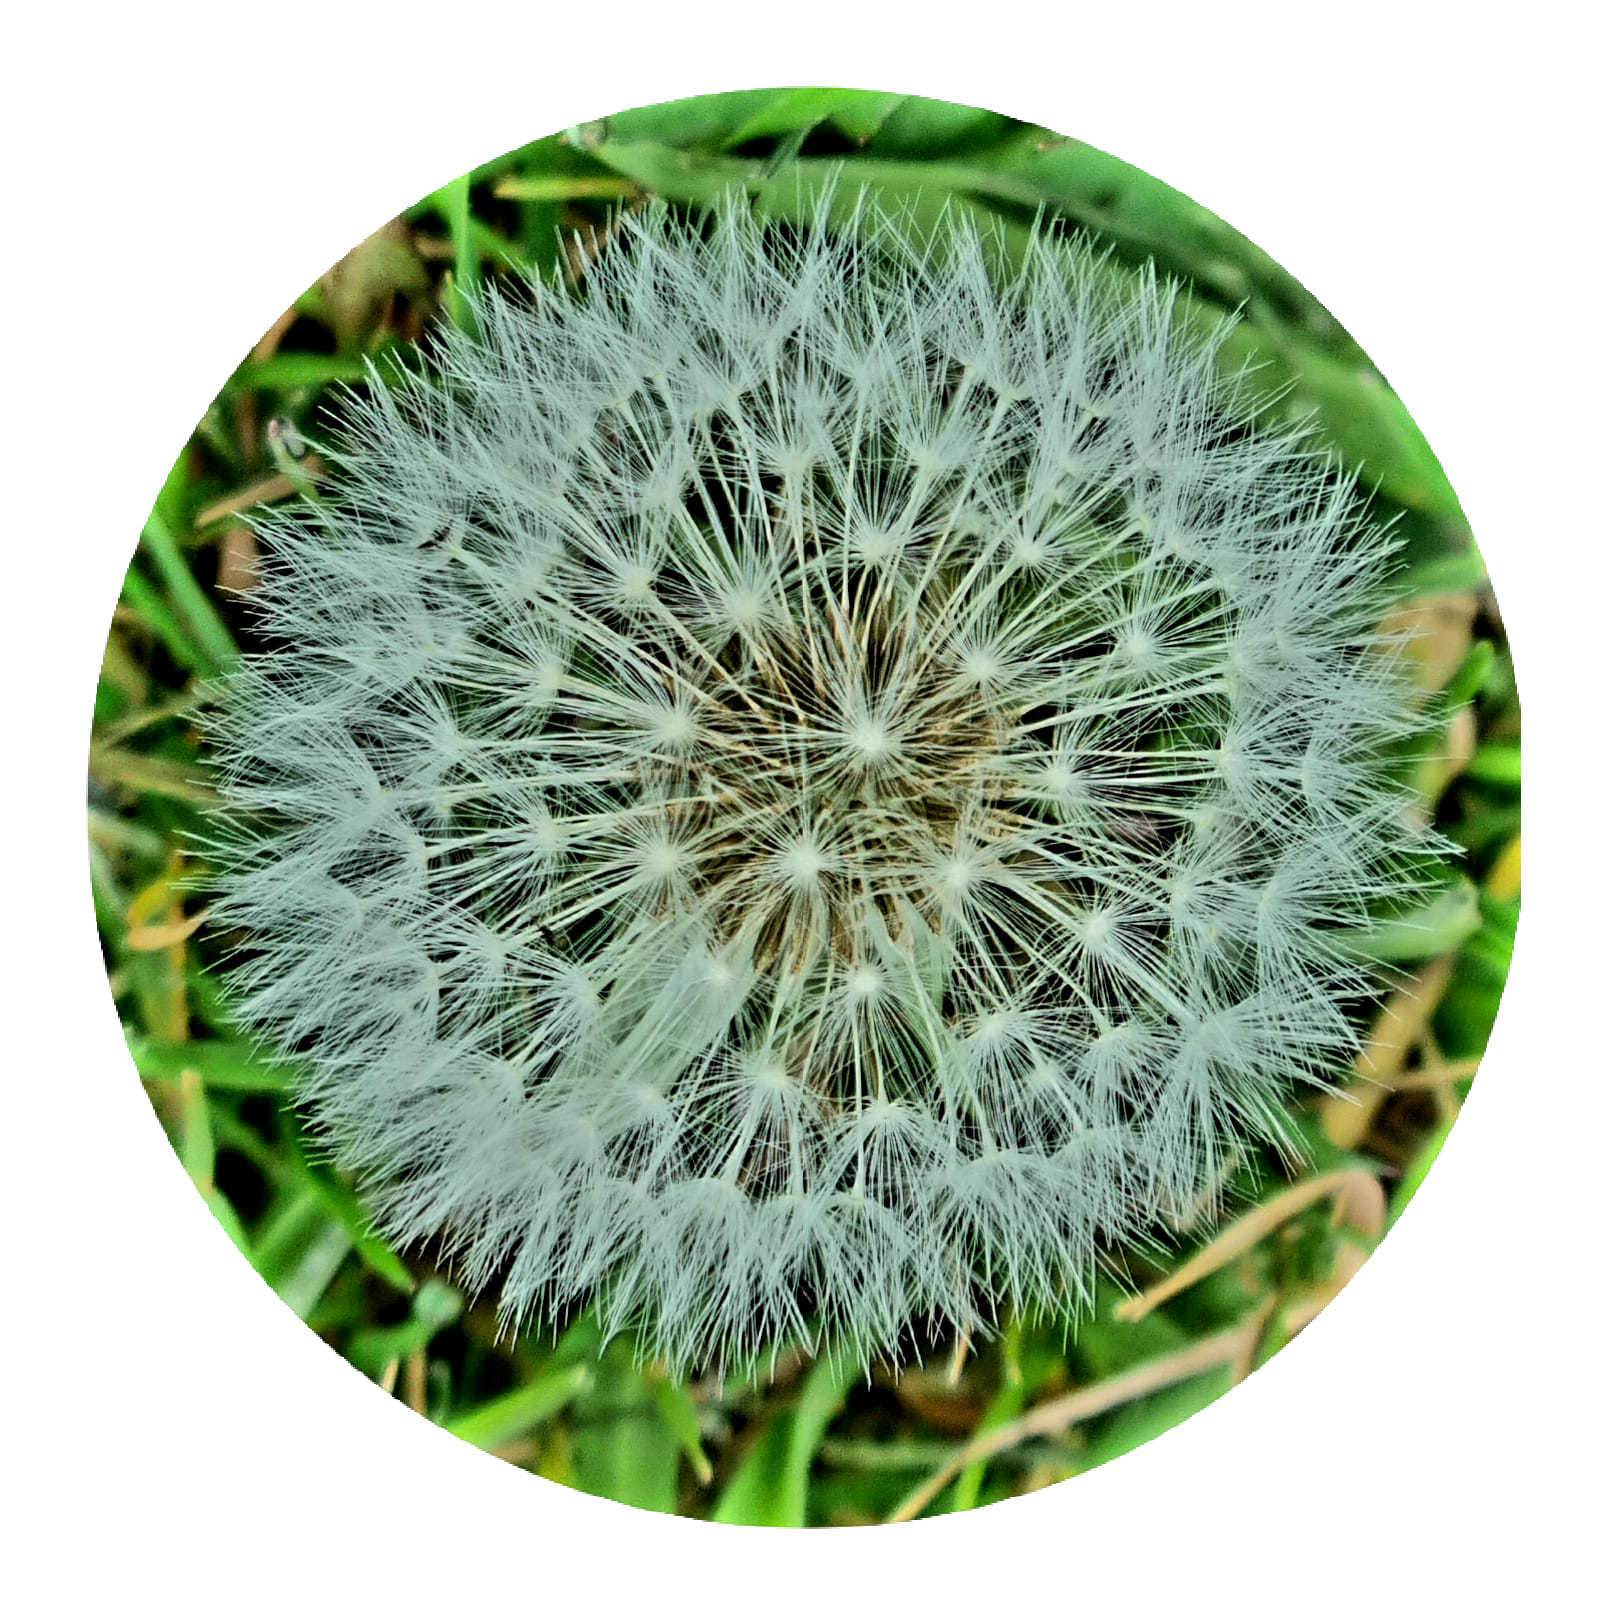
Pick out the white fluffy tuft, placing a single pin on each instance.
(802, 787)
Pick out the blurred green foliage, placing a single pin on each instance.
(811, 1442)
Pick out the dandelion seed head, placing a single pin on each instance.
(865, 981)
(803, 862)
(802, 787)
(871, 741)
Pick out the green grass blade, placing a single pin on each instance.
(518, 1411)
(453, 202)
(228, 1066)
(771, 1486)
(140, 595)
(1438, 926)
(624, 1449)
(161, 544)
(300, 1249)
(296, 372)
(679, 1414)
(1498, 764)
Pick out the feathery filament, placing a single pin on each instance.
(803, 787)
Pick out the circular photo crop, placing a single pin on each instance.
(804, 807)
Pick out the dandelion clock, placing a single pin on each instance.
(765, 794)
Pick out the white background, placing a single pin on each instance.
(174, 1437)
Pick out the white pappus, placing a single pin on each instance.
(800, 789)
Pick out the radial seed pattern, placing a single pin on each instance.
(803, 787)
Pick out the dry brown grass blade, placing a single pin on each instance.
(1347, 1117)
(158, 905)
(114, 767)
(961, 1351)
(266, 491)
(270, 339)
(1234, 1348)
(1435, 1075)
(415, 1383)
(1438, 633)
(153, 938)
(1358, 1200)
(120, 669)
(565, 187)
(186, 703)
(1505, 878)
(238, 560)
